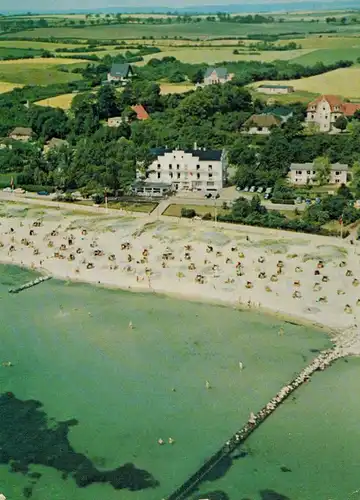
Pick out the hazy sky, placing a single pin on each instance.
(40, 5)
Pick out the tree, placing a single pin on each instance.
(355, 183)
(345, 192)
(322, 167)
(341, 123)
(107, 101)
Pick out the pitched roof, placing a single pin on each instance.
(141, 112)
(202, 154)
(310, 166)
(121, 70)
(350, 108)
(265, 120)
(221, 72)
(57, 143)
(332, 100)
(25, 131)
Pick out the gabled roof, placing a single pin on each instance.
(221, 72)
(24, 131)
(265, 120)
(332, 100)
(349, 108)
(121, 70)
(57, 143)
(202, 154)
(310, 166)
(141, 112)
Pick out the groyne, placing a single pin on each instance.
(321, 362)
(30, 284)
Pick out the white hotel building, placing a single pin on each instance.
(183, 170)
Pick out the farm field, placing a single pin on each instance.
(343, 82)
(8, 87)
(37, 71)
(32, 44)
(214, 55)
(298, 96)
(325, 42)
(175, 88)
(61, 101)
(17, 52)
(328, 56)
(203, 29)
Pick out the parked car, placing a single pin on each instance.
(318, 200)
(246, 189)
(252, 189)
(268, 190)
(298, 200)
(260, 190)
(238, 188)
(43, 193)
(308, 201)
(267, 196)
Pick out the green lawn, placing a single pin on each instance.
(201, 210)
(328, 56)
(35, 73)
(17, 52)
(193, 30)
(298, 96)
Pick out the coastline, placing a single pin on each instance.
(243, 270)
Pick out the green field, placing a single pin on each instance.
(203, 29)
(194, 55)
(328, 56)
(16, 52)
(298, 96)
(32, 72)
(30, 44)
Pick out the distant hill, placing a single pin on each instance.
(280, 6)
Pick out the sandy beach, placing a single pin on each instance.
(309, 278)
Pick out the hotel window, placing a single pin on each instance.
(210, 183)
(299, 172)
(198, 176)
(210, 176)
(177, 167)
(197, 167)
(308, 172)
(210, 167)
(178, 175)
(170, 166)
(337, 173)
(159, 175)
(158, 165)
(171, 175)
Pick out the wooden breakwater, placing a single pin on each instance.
(321, 362)
(30, 284)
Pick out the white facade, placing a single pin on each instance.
(306, 174)
(323, 114)
(197, 170)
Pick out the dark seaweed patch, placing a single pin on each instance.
(285, 469)
(26, 439)
(214, 495)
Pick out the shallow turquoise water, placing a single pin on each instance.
(73, 351)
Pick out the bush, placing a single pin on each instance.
(282, 201)
(207, 216)
(35, 188)
(188, 213)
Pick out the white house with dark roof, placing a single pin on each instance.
(189, 170)
(305, 173)
(217, 75)
(120, 73)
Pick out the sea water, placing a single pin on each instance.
(73, 351)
